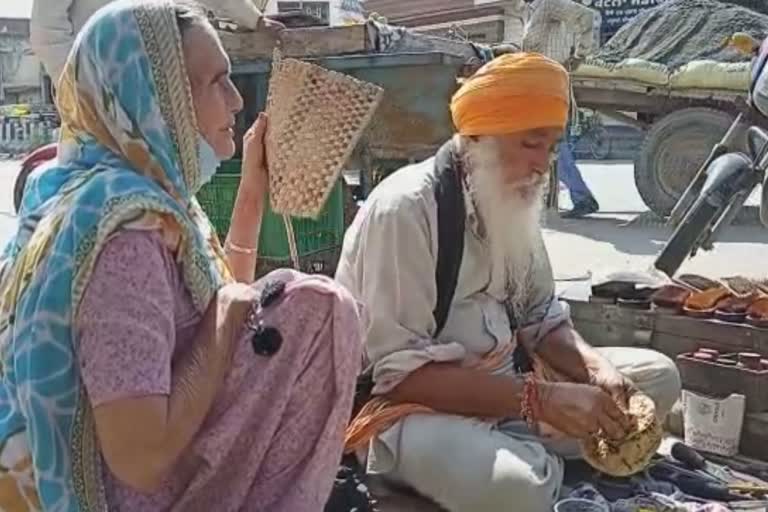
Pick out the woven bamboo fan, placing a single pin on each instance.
(316, 118)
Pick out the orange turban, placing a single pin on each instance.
(512, 93)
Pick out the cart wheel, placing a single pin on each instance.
(673, 151)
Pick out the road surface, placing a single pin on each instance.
(604, 243)
(8, 170)
(600, 244)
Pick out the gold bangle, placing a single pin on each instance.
(238, 249)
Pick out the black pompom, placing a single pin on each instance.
(271, 293)
(266, 341)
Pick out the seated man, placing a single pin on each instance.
(510, 116)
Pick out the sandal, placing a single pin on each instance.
(704, 304)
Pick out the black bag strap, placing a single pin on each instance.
(451, 219)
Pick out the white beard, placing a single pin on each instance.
(511, 217)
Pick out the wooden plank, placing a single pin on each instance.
(613, 314)
(298, 42)
(611, 84)
(248, 45)
(671, 334)
(599, 334)
(739, 337)
(617, 99)
(711, 94)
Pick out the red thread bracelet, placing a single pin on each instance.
(530, 401)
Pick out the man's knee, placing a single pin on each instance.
(659, 378)
(466, 465)
(668, 386)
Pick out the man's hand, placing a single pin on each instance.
(615, 384)
(581, 410)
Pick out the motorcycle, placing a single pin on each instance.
(734, 168)
(31, 162)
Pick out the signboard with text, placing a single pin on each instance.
(616, 13)
(320, 10)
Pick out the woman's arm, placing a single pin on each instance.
(242, 243)
(147, 407)
(141, 438)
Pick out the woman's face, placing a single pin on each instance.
(216, 99)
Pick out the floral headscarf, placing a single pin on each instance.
(128, 156)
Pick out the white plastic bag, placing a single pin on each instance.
(713, 425)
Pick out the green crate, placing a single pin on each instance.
(217, 199)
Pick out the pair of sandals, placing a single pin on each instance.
(734, 299)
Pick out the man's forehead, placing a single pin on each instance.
(543, 133)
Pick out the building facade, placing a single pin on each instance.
(331, 12)
(20, 70)
(482, 23)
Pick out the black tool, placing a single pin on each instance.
(688, 456)
(692, 483)
(693, 460)
(755, 469)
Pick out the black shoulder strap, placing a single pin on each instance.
(451, 217)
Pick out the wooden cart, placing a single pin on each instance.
(681, 126)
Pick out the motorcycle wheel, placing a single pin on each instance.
(18, 187)
(678, 248)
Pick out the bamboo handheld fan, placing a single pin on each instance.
(316, 118)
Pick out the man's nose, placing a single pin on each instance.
(540, 162)
(235, 100)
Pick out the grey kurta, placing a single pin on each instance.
(388, 262)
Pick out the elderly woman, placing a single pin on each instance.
(137, 374)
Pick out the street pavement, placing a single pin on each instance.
(605, 243)
(601, 244)
(8, 171)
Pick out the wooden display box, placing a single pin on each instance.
(609, 325)
(720, 380)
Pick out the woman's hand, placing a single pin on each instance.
(233, 303)
(254, 180)
(141, 438)
(242, 244)
(581, 410)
